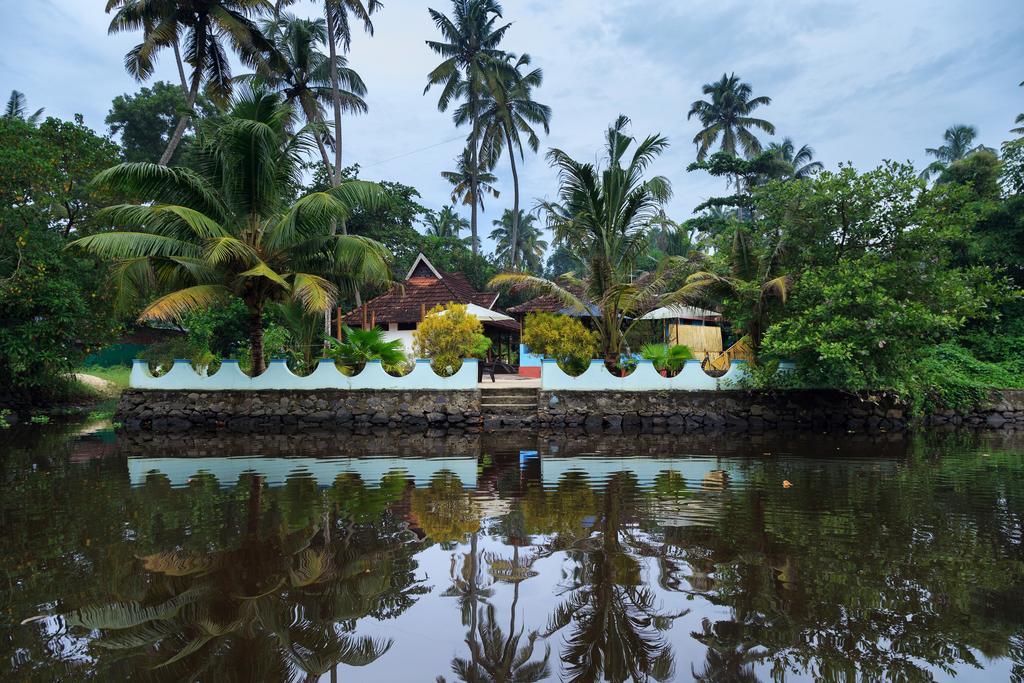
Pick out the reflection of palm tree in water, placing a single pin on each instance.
(495, 657)
(724, 660)
(615, 627)
(275, 607)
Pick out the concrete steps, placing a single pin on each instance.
(505, 405)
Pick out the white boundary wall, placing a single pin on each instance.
(182, 377)
(644, 378)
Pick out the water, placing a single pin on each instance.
(727, 558)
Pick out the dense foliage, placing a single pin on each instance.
(561, 337)
(53, 304)
(447, 335)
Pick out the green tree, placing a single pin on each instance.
(54, 307)
(959, 142)
(209, 26)
(876, 283)
(518, 241)
(470, 183)
(469, 49)
(727, 115)
(749, 289)
(232, 230)
(306, 76)
(146, 120)
(604, 216)
(17, 108)
(510, 112)
(445, 223)
(801, 160)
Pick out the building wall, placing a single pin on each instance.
(404, 336)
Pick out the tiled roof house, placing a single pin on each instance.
(399, 310)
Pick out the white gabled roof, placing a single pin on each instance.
(420, 257)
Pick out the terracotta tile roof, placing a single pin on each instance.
(547, 303)
(405, 302)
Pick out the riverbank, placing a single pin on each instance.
(618, 411)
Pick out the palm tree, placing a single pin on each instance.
(508, 113)
(17, 108)
(754, 283)
(801, 160)
(469, 46)
(959, 144)
(604, 218)
(469, 185)
(446, 223)
(361, 346)
(528, 246)
(208, 26)
(227, 230)
(728, 115)
(307, 76)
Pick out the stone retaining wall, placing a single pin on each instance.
(610, 411)
(689, 411)
(271, 411)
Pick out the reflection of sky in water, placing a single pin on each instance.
(677, 507)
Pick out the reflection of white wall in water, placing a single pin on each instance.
(324, 470)
(696, 471)
(644, 378)
(704, 477)
(182, 377)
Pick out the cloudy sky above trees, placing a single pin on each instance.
(860, 82)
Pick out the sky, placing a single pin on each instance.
(859, 82)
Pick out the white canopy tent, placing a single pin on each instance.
(685, 312)
(483, 314)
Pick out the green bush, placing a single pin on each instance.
(670, 359)
(561, 337)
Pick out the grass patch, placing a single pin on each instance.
(117, 374)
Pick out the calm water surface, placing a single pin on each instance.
(519, 557)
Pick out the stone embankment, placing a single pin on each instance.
(607, 411)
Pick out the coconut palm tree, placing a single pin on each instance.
(470, 184)
(959, 144)
(469, 48)
(604, 217)
(755, 282)
(518, 241)
(208, 27)
(727, 115)
(509, 113)
(228, 229)
(306, 76)
(445, 223)
(801, 160)
(17, 108)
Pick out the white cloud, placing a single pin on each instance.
(858, 82)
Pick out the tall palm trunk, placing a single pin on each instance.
(256, 340)
(475, 161)
(514, 237)
(190, 100)
(181, 68)
(335, 97)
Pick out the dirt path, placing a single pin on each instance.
(96, 382)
